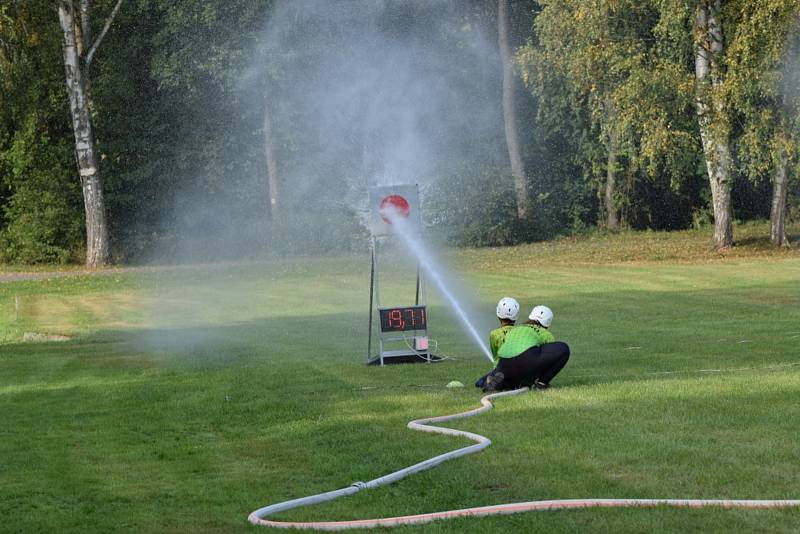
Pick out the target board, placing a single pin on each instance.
(402, 199)
(402, 331)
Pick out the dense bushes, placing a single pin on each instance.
(180, 91)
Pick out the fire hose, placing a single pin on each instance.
(481, 442)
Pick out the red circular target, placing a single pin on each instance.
(396, 203)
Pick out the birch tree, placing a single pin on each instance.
(79, 50)
(612, 211)
(780, 183)
(509, 109)
(785, 141)
(712, 116)
(601, 54)
(763, 71)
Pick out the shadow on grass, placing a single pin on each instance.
(764, 243)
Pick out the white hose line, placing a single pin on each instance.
(419, 424)
(504, 509)
(257, 517)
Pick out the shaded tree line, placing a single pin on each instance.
(134, 130)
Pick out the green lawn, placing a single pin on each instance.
(189, 397)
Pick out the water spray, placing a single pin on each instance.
(403, 330)
(395, 214)
(434, 273)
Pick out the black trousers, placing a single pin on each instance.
(537, 363)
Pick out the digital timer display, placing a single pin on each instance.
(402, 319)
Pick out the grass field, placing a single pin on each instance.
(188, 397)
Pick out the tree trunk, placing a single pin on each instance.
(509, 110)
(97, 242)
(612, 211)
(85, 34)
(711, 118)
(777, 217)
(272, 165)
(625, 210)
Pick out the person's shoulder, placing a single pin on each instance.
(541, 331)
(511, 333)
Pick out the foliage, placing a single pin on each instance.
(42, 224)
(610, 88)
(756, 58)
(480, 217)
(41, 209)
(180, 95)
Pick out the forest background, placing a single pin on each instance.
(139, 131)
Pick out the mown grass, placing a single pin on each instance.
(190, 397)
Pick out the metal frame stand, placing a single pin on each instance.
(393, 347)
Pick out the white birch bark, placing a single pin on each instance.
(711, 117)
(612, 146)
(77, 57)
(86, 24)
(509, 110)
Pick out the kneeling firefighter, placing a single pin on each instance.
(529, 356)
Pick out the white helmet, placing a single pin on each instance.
(543, 315)
(508, 308)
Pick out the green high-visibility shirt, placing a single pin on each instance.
(496, 338)
(523, 337)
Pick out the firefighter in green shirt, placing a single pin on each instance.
(529, 334)
(507, 314)
(529, 356)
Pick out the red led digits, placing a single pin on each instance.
(396, 320)
(403, 319)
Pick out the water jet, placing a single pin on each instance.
(395, 216)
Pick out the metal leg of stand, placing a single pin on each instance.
(371, 292)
